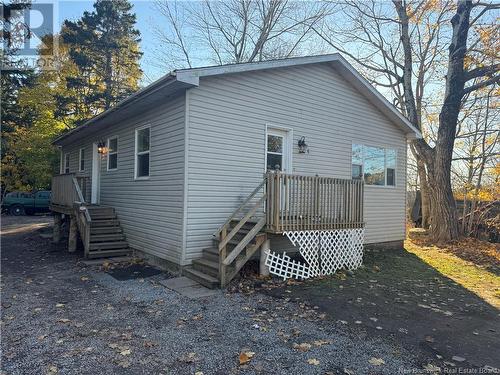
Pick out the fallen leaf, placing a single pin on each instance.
(189, 357)
(126, 352)
(63, 320)
(303, 347)
(313, 361)
(321, 342)
(376, 361)
(124, 364)
(245, 357)
(431, 368)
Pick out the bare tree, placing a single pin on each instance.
(476, 150)
(236, 31)
(403, 47)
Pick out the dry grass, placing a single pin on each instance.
(471, 263)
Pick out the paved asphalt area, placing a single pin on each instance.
(62, 317)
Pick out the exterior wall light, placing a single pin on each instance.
(101, 148)
(303, 147)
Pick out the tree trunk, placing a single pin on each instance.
(424, 194)
(444, 226)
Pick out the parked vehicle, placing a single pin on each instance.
(20, 203)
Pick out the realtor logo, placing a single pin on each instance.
(28, 35)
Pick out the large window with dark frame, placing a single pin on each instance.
(375, 165)
(142, 152)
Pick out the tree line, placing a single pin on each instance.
(97, 65)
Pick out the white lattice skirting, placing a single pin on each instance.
(325, 252)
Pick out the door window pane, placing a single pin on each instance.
(275, 144)
(274, 162)
(374, 165)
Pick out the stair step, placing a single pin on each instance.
(105, 223)
(206, 266)
(204, 279)
(106, 237)
(211, 253)
(103, 216)
(105, 230)
(108, 253)
(108, 245)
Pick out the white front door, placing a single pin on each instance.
(96, 175)
(279, 150)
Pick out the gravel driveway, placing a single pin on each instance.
(59, 316)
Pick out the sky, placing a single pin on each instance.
(147, 16)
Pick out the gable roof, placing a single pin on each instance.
(179, 80)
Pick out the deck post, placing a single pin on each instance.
(73, 233)
(56, 230)
(263, 269)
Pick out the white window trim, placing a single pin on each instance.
(80, 160)
(116, 152)
(136, 154)
(66, 163)
(385, 186)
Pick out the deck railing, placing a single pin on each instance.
(295, 203)
(66, 190)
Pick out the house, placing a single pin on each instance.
(206, 166)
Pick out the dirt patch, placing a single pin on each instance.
(134, 271)
(396, 294)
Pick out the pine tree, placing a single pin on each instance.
(104, 45)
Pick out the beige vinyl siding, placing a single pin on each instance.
(151, 210)
(227, 123)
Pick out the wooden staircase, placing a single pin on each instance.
(235, 242)
(101, 232)
(206, 270)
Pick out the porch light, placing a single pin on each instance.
(303, 147)
(101, 148)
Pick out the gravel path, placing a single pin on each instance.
(59, 316)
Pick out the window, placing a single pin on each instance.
(142, 150)
(375, 165)
(112, 153)
(82, 160)
(274, 152)
(66, 163)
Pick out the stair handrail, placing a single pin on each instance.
(78, 190)
(241, 206)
